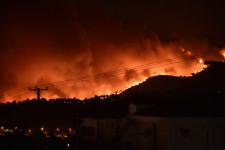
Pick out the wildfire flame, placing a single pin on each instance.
(223, 53)
(200, 68)
(135, 77)
(82, 55)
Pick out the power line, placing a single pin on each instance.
(96, 76)
(19, 95)
(13, 93)
(110, 74)
(113, 73)
(118, 72)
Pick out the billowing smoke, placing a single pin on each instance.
(131, 74)
(45, 42)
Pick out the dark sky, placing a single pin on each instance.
(203, 19)
(169, 19)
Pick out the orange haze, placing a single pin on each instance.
(47, 45)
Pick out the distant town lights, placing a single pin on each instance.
(68, 145)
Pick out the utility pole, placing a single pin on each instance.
(38, 91)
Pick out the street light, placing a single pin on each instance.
(42, 129)
(57, 130)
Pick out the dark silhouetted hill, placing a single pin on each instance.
(208, 85)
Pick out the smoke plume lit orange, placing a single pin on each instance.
(46, 45)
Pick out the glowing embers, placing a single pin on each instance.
(200, 60)
(130, 72)
(222, 52)
(199, 67)
(134, 83)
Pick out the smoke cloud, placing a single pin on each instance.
(49, 41)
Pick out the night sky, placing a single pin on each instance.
(169, 19)
(46, 41)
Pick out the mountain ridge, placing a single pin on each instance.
(206, 84)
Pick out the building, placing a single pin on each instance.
(141, 130)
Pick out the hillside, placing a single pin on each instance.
(207, 85)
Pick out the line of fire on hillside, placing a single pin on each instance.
(189, 115)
